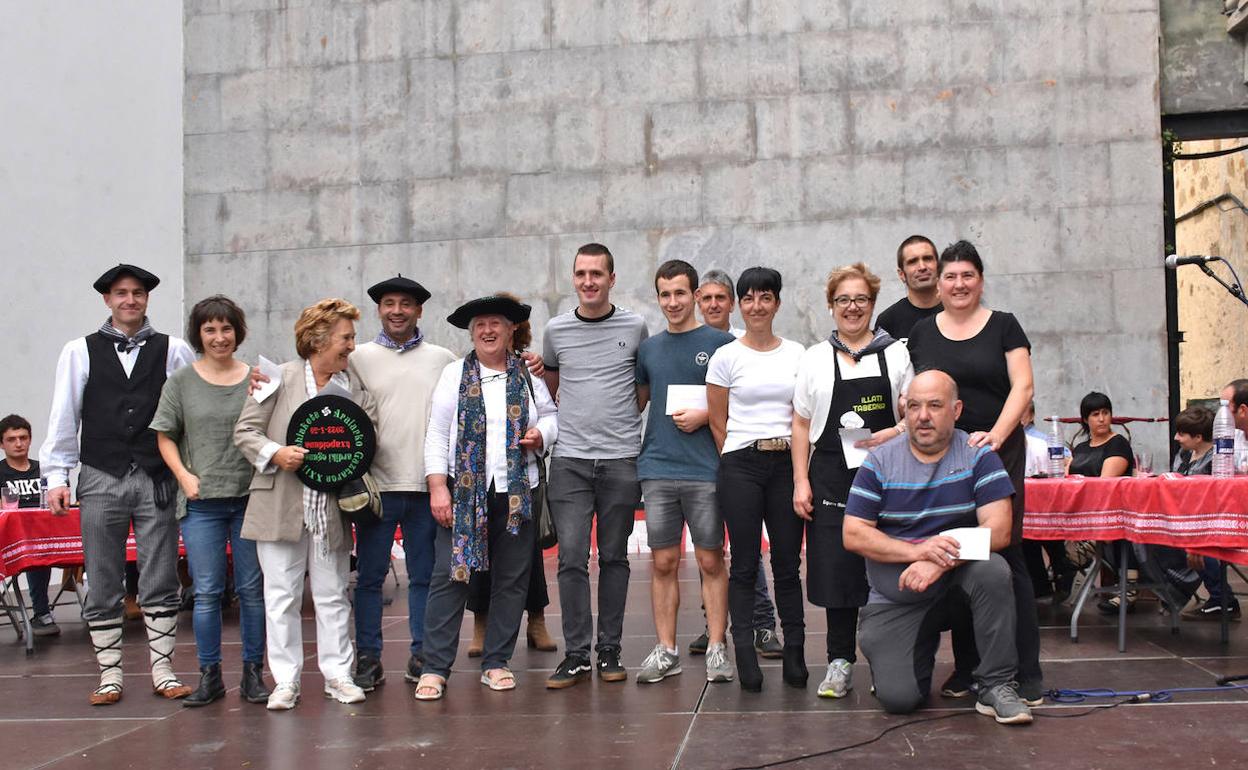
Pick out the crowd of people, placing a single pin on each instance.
(869, 447)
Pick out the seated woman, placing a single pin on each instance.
(487, 424)
(297, 530)
(1105, 453)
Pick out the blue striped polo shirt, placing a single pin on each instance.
(913, 500)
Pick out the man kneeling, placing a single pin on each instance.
(905, 494)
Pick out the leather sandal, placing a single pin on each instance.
(106, 695)
(499, 679)
(430, 682)
(173, 689)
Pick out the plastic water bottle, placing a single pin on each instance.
(1057, 451)
(1223, 442)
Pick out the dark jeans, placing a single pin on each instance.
(1210, 574)
(754, 487)
(511, 558)
(37, 581)
(209, 525)
(409, 511)
(842, 633)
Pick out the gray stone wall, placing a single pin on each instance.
(1203, 68)
(474, 145)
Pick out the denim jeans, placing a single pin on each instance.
(208, 526)
(1211, 574)
(410, 511)
(37, 581)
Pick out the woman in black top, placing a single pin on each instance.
(1105, 453)
(989, 357)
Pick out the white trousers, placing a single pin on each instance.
(284, 565)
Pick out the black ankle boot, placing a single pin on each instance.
(749, 675)
(252, 688)
(210, 687)
(795, 673)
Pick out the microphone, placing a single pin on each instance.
(1174, 260)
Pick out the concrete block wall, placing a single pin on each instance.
(473, 144)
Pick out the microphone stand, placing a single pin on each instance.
(1233, 287)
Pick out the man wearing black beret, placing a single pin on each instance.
(108, 384)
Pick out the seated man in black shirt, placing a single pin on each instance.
(19, 476)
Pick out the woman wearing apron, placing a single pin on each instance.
(854, 379)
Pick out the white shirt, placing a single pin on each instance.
(816, 379)
(760, 390)
(443, 428)
(59, 453)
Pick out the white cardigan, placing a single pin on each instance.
(444, 420)
(816, 379)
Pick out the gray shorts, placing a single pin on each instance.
(671, 504)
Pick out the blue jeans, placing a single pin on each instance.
(1211, 574)
(410, 511)
(208, 526)
(37, 581)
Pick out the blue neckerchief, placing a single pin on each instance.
(384, 340)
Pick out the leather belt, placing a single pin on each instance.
(771, 445)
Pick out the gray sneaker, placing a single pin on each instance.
(838, 681)
(718, 667)
(1002, 703)
(767, 644)
(658, 665)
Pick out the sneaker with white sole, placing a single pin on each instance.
(659, 665)
(718, 667)
(1001, 702)
(344, 690)
(284, 697)
(838, 681)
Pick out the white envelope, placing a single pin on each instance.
(853, 455)
(975, 542)
(685, 397)
(274, 373)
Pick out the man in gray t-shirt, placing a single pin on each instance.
(590, 355)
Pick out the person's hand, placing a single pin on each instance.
(532, 440)
(440, 505)
(918, 577)
(689, 420)
(803, 499)
(940, 550)
(190, 485)
(1195, 561)
(985, 438)
(289, 458)
(258, 378)
(532, 360)
(58, 500)
(877, 438)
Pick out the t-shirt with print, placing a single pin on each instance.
(667, 452)
(596, 360)
(760, 390)
(912, 500)
(25, 483)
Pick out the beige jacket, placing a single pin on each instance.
(275, 508)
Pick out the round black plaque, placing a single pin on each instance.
(340, 440)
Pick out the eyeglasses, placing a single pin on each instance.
(844, 301)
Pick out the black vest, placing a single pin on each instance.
(117, 409)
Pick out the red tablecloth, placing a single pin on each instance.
(30, 537)
(1196, 513)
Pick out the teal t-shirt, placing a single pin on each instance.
(665, 359)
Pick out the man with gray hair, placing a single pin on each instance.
(715, 302)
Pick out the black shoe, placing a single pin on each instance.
(795, 673)
(44, 625)
(210, 687)
(958, 685)
(609, 667)
(253, 688)
(1110, 606)
(748, 673)
(698, 646)
(368, 673)
(573, 670)
(767, 644)
(415, 667)
(1212, 610)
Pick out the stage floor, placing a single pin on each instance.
(45, 720)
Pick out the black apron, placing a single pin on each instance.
(835, 577)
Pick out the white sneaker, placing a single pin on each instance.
(838, 681)
(284, 697)
(718, 667)
(344, 690)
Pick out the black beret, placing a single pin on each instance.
(516, 312)
(399, 284)
(105, 282)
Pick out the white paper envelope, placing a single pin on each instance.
(853, 455)
(976, 542)
(274, 373)
(685, 397)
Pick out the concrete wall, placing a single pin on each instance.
(91, 173)
(1211, 357)
(475, 144)
(1202, 66)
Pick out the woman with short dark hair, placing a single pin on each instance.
(194, 426)
(1105, 453)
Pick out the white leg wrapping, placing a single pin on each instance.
(106, 639)
(162, 629)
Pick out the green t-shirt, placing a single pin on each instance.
(200, 417)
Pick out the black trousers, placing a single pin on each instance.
(538, 597)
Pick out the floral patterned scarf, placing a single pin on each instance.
(470, 507)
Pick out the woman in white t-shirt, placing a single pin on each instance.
(749, 394)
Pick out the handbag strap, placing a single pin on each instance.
(541, 458)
